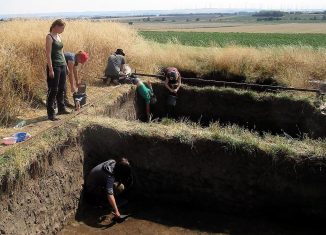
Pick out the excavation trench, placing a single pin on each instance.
(260, 112)
(175, 180)
(224, 75)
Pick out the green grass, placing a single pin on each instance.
(244, 39)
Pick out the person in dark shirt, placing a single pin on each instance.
(172, 84)
(101, 181)
(172, 80)
(115, 67)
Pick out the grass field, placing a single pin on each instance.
(207, 39)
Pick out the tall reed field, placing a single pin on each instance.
(23, 60)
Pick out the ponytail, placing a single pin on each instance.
(58, 22)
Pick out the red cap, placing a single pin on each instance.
(83, 56)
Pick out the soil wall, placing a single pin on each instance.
(266, 114)
(205, 174)
(46, 197)
(46, 194)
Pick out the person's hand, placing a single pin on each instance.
(122, 74)
(68, 71)
(51, 73)
(116, 214)
(73, 89)
(175, 91)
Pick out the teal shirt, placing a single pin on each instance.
(57, 53)
(145, 92)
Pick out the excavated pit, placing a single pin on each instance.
(259, 112)
(175, 181)
(190, 185)
(224, 75)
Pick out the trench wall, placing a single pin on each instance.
(267, 113)
(205, 174)
(46, 197)
(201, 173)
(46, 194)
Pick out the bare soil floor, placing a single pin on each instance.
(234, 27)
(149, 218)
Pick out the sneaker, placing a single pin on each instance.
(53, 118)
(63, 112)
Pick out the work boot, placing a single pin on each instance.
(63, 112)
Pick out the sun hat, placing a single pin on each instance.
(120, 52)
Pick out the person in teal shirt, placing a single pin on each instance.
(146, 92)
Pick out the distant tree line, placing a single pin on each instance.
(269, 14)
(268, 18)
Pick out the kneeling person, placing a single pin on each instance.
(105, 178)
(115, 67)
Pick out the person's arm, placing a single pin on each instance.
(149, 85)
(114, 205)
(71, 76)
(178, 83)
(148, 111)
(48, 48)
(77, 82)
(122, 67)
(167, 85)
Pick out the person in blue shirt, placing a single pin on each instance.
(73, 60)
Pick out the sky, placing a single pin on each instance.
(48, 6)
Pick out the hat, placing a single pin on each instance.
(83, 56)
(120, 52)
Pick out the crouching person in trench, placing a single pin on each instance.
(146, 92)
(107, 180)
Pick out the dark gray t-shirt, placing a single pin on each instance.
(101, 176)
(114, 65)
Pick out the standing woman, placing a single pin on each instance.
(56, 70)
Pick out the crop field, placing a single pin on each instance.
(207, 39)
(228, 27)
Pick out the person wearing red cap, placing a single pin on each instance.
(73, 60)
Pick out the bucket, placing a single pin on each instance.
(172, 100)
